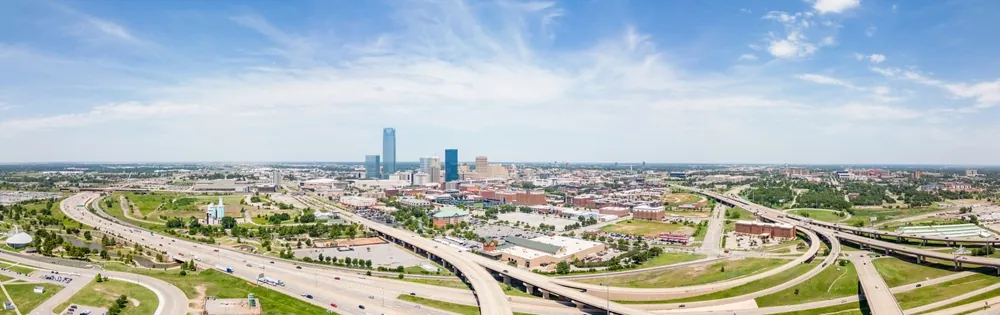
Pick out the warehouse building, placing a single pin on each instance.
(764, 229)
(545, 250)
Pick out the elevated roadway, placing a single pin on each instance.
(880, 299)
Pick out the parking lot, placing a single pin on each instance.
(74, 309)
(388, 255)
(57, 278)
(491, 230)
(534, 219)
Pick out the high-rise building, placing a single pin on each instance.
(388, 151)
(434, 169)
(425, 164)
(450, 165)
(276, 178)
(482, 166)
(372, 166)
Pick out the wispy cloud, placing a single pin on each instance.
(91, 27)
(835, 6)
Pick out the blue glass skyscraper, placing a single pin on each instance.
(450, 165)
(372, 166)
(388, 151)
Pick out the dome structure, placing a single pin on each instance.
(19, 240)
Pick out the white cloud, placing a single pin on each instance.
(868, 112)
(747, 57)
(870, 31)
(835, 6)
(828, 41)
(793, 46)
(876, 58)
(822, 79)
(986, 94)
(92, 27)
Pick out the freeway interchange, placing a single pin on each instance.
(348, 291)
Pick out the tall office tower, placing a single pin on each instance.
(482, 167)
(434, 169)
(450, 165)
(388, 151)
(276, 178)
(372, 166)
(425, 164)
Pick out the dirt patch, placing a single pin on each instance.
(359, 242)
(197, 305)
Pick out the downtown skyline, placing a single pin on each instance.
(801, 82)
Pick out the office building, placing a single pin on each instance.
(482, 167)
(450, 165)
(214, 213)
(449, 215)
(276, 178)
(648, 213)
(388, 151)
(765, 229)
(372, 166)
(425, 164)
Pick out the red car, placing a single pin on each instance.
(333, 305)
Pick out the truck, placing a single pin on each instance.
(224, 268)
(271, 281)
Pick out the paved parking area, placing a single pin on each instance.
(381, 255)
(70, 310)
(489, 230)
(533, 219)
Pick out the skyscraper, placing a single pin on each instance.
(276, 178)
(372, 166)
(482, 167)
(450, 165)
(432, 166)
(388, 151)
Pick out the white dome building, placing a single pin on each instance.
(19, 240)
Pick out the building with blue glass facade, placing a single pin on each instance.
(450, 165)
(388, 152)
(372, 166)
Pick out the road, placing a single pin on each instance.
(712, 243)
(876, 291)
(166, 293)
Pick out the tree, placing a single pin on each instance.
(368, 273)
(562, 267)
(87, 235)
(400, 276)
(796, 291)
(99, 278)
(227, 222)
(368, 263)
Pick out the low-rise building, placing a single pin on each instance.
(648, 213)
(449, 215)
(765, 229)
(618, 211)
(546, 250)
(414, 202)
(356, 202)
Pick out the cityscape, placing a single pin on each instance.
(816, 157)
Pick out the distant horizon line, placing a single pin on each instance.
(629, 163)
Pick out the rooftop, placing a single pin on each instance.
(450, 212)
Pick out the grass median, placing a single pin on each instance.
(445, 306)
(833, 282)
(25, 297)
(691, 275)
(221, 285)
(754, 286)
(897, 272)
(945, 290)
(142, 301)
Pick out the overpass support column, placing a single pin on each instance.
(998, 270)
(920, 259)
(958, 265)
(506, 279)
(887, 251)
(924, 242)
(579, 305)
(545, 294)
(529, 289)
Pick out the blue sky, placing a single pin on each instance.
(824, 81)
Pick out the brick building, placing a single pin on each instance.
(773, 230)
(649, 213)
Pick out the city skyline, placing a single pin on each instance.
(805, 82)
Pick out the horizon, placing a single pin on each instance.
(816, 82)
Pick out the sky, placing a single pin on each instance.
(815, 81)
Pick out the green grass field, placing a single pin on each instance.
(897, 272)
(818, 214)
(677, 199)
(735, 214)
(740, 290)
(833, 282)
(11, 266)
(104, 293)
(945, 290)
(445, 306)
(856, 308)
(646, 228)
(26, 299)
(692, 275)
(976, 298)
(226, 286)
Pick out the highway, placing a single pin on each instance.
(712, 243)
(359, 289)
(879, 297)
